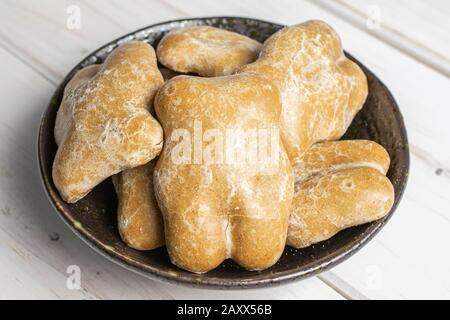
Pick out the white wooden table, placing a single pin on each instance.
(406, 43)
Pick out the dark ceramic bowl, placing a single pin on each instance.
(93, 218)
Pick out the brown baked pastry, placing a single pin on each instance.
(344, 72)
(338, 185)
(103, 125)
(139, 218)
(216, 206)
(206, 51)
(321, 90)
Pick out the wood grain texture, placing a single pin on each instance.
(406, 260)
(418, 28)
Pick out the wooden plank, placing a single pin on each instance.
(409, 265)
(34, 266)
(419, 28)
(38, 34)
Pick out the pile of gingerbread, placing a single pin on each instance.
(123, 119)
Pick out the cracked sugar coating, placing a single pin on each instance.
(304, 59)
(139, 218)
(213, 211)
(321, 90)
(207, 51)
(103, 125)
(338, 185)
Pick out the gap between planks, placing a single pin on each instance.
(25, 59)
(341, 286)
(388, 35)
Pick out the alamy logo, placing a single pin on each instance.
(73, 281)
(225, 146)
(373, 21)
(74, 19)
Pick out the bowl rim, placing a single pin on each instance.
(154, 273)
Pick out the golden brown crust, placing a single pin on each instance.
(103, 125)
(321, 90)
(214, 211)
(65, 111)
(338, 185)
(206, 51)
(217, 211)
(139, 218)
(318, 86)
(331, 156)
